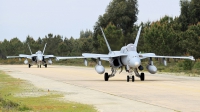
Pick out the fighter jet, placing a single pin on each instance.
(127, 58)
(37, 58)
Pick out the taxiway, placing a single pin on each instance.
(159, 92)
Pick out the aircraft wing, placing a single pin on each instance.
(91, 55)
(178, 57)
(152, 55)
(21, 56)
(49, 56)
(80, 57)
(146, 55)
(104, 57)
(13, 56)
(74, 57)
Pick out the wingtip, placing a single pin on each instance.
(192, 58)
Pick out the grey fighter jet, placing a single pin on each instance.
(38, 58)
(127, 58)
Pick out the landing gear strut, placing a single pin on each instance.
(106, 76)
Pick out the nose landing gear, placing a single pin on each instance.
(131, 76)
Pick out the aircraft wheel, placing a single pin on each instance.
(142, 77)
(29, 65)
(45, 65)
(128, 78)
(106, 77)
(133, 78)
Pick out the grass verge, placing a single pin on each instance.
(19, 95)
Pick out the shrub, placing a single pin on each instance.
(187, 65)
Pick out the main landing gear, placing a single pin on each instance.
(29, 65)
(129, 77)
(45, 65)
(106, 76)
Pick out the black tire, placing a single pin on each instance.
(128, 78)
(133, 78)
(140, 68)
(106, 76)
(29, 65)
(45, 65)
(142, 77)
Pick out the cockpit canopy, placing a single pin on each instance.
(131, 47)
(39, 52)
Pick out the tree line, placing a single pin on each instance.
(167, 36)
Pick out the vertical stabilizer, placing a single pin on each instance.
(138, 36)
(106, 40)
(30, 49)
(44, 48)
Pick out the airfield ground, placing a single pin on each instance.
(159, 92)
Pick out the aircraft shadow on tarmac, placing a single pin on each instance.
(122, 80)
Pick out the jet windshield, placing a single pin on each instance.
(131, 47)
(39, 52)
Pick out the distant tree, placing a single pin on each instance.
(62, 49)
(86, 34)
(191, 41)
(114, 37)
(194, 11)
(184, 17)
(161, 37)
(120, 13)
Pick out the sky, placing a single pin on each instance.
(37, 18)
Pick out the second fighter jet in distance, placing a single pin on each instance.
(38, 58)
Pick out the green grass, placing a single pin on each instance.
(19, 95)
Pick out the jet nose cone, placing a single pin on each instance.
(134, 63)
(39, 58)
